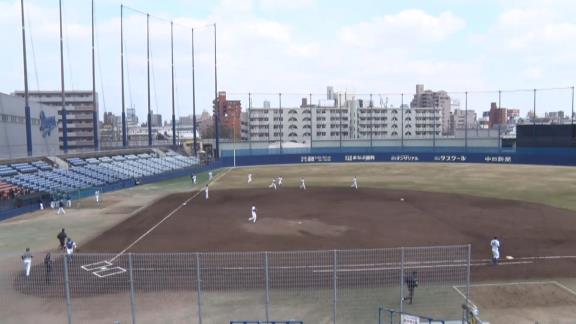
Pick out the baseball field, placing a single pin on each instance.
(531, 209)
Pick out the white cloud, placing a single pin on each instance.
(532, 73)
(274, 5)
(405, 28)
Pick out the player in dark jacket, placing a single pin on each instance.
(412, 282)
(62, 238)
(48, 266)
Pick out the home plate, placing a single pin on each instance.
(509, 257)
(183, 204)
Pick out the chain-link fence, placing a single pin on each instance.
(339, 286)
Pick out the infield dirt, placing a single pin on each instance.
(343, 218)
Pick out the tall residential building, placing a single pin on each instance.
(81, 112)
(330, 93)
(437, 100)
(501, 116)
(156, 120)
(131, 117)
(464, 119)
(229, 112)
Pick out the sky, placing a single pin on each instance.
(298, 47)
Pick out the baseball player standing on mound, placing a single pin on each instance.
(249, 177)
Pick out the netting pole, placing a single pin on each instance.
(401, 279)
(371, 122)
(335, 267)
(250, 122)
(402, 122)
(267, 286)
(311, 124)
(198, 288)
(572, 116)
(67, 285)
(466, 121)
(534, 118)
(131, 288)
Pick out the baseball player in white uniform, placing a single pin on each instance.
(273, 184)
(354, 183)
(194, 179)
(210, 176)
(97, 195)
(280, 181)
(302, 184)
(253, 218)
(249, 177)
(70, 246)
(495, 244)
(206, 191)
(27, 259)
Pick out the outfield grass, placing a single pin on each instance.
(550, 185)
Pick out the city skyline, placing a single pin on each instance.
(271, 46)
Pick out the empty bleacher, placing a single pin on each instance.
(92, 172)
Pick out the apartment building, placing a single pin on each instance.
(81, 114)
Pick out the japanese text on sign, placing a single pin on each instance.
(498, 159)
(450, 158)
(315, 158)
(404, 157)
(351, 158)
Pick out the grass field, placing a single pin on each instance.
(553, 186)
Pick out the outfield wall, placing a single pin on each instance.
(537, 156)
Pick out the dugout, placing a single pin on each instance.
(546, 136)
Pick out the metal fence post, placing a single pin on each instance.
(468, 278)
(131, 288)
(335, 292)
(401, 279)
(67, 285)
(267, 286)
(199, 287)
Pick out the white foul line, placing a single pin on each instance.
(168, 216)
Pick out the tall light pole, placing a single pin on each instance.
(193, 97)
(94, 100)
(64, 122)
(216, 103)
(26, 102)
(173, 104)
(124, 129)
(148, 74)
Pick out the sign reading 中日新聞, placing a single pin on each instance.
(497, 159)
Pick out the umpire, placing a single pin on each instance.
(412, 282)
(62, 238)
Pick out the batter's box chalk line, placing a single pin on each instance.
(103, 269)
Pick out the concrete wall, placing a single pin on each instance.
(13, 129)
